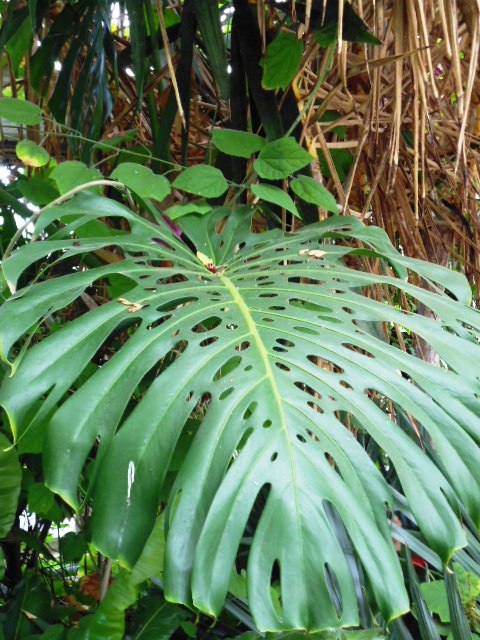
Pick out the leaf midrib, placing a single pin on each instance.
(262, 351)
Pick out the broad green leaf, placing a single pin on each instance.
(181, 210)
(71, 174)
(313, 192)
(269, 193)
(202, 180)
(282, 59)
(241, 144)
(31, 154)
(20, 111)
(271, 345)
(280, 158)
(11, 475)
(142, 180)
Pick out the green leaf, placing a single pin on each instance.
(150, 563)
(20, 111)
(435, 596)
(282, 59)
(55, 632)
(11, 474)
(280, 158)
(325, 25)
(71, 174)
(241, 144)
(342, 160)
(340, 634)
(138, 37)
(31, 154)
(208, 19)
(37, 189)
(42, 502)
(313, 192)
(327, 34)
(73, 546)
(272, 347)
(142, 180)
(18, 46)
(28, 610)
(275, 195)
(180, 210)
(156, 619)
(202, 180)
(189, 628)
(108, 622)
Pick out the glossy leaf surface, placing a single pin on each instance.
(277, 342)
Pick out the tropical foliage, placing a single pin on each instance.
(242, 413)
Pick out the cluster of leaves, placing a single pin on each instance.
(249, 387)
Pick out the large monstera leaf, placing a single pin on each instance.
(275, 342)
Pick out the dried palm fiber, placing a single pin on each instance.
(412, 115)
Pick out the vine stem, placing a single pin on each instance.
(60, 200)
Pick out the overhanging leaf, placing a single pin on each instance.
(241, 144)
(313, 192)
(180, 210)
(270, 349)
(275, 195)
(142, 180)
(280, 158)
(20, 111)
(71, 174)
